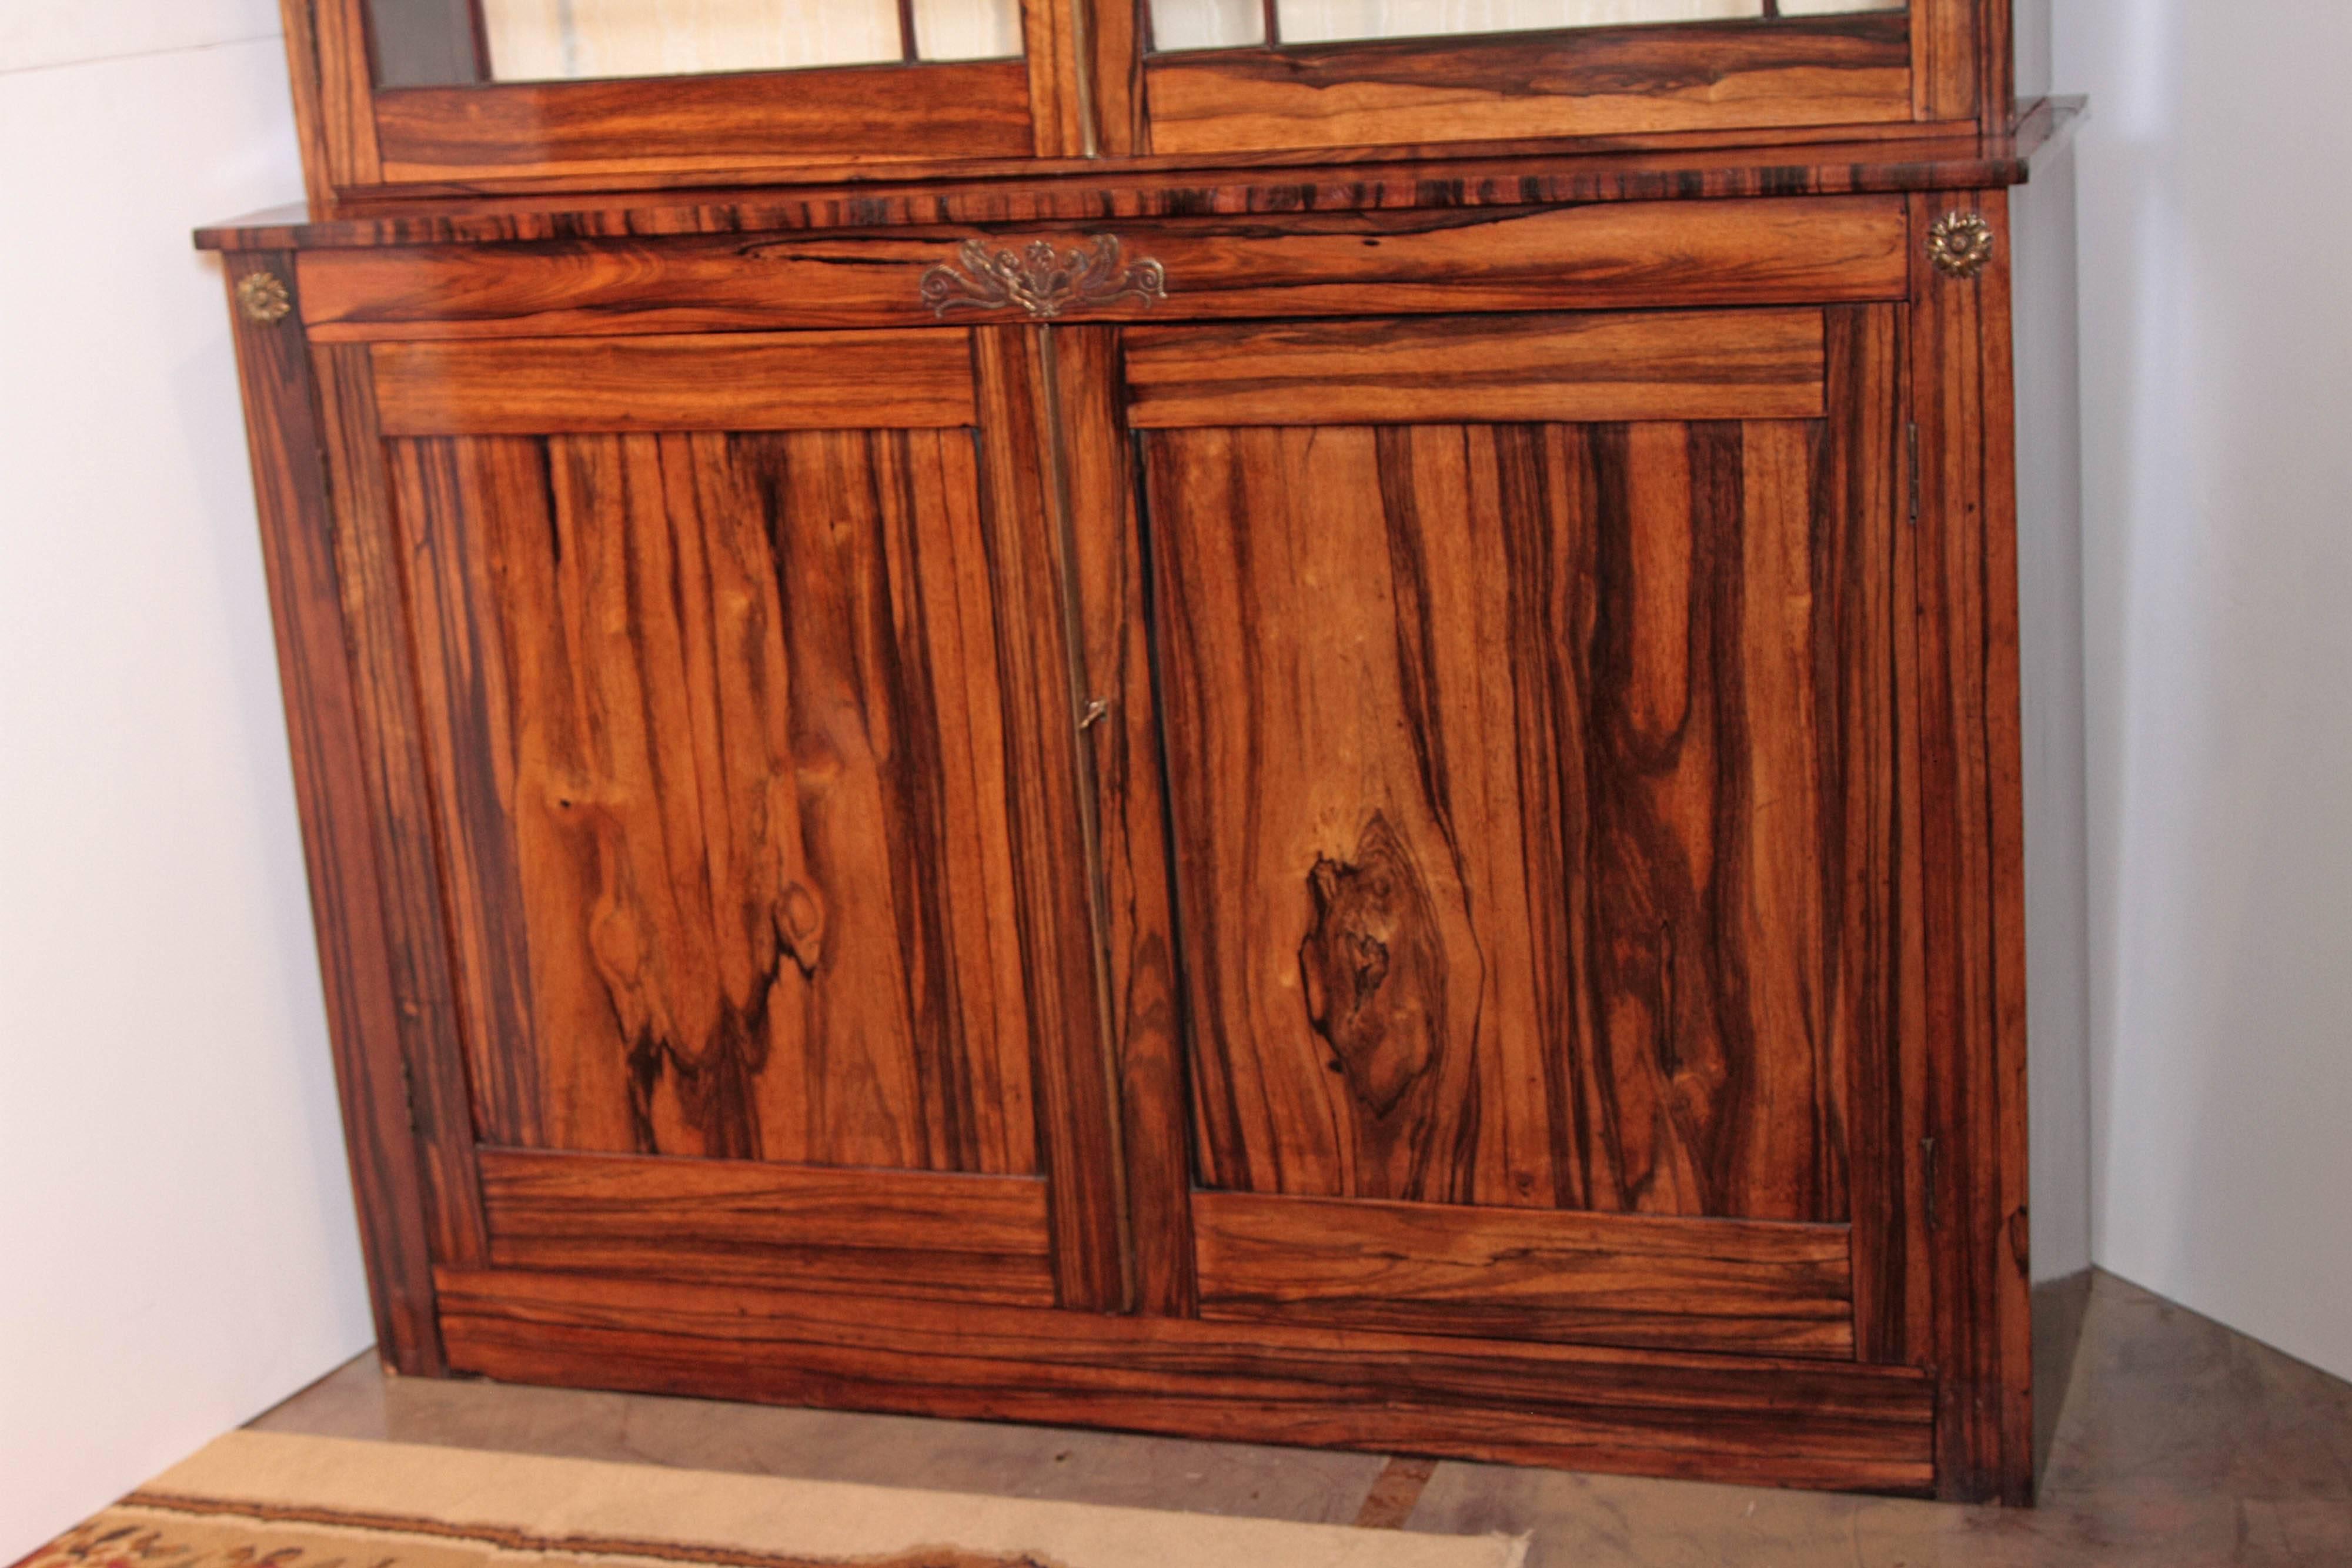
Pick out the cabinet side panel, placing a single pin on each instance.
(323, 720)
(391, 748)
(1973, 909)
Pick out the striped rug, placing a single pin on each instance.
(267, 1499)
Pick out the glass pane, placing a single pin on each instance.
(436, 43)
(1229, 24)
(1206, 23)
(967, 29)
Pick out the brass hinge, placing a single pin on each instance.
(1912, 435)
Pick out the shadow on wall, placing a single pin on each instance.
(2218, 399)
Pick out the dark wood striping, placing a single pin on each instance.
(1582, 81)
(1737, 1286)
(1722, 1419)
(1746, 364)
(972, 108)
(1385, 1004)
(1804, 251)
(901, 1233)
(324, 721)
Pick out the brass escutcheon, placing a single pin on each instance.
(1960, 244)
(264, 298)
(1041, 280)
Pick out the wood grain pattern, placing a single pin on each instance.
(1800, 251)
(323, 723)
(1448, 670)
(1947, 75)
(1746, 364)
(369, 574)
(338, 30)
(888, 1232)
(1145, 1019)
(1052, 52)
(722, 780)
(1597, 82)
(1387, 177)
(1972, 854)
(895, 381)
(1116, 45)
(1526, 1274)
(1795, 1423)
(306, 79)
(858, 114)
(1026, 540)
(1865, 500)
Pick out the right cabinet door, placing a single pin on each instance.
(1531, 710)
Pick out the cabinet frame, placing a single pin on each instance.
(1950, 1418)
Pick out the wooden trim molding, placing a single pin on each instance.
(1589, 367)
(1972, 857)
(921, 1233)
(1721, 1418)
(812, 380)
(324, 726)
(1805, 251)
(613, 130)
(1591, 81)
(1523, 1274)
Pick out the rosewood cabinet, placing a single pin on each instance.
(1168, 758)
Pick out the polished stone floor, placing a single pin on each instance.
(2178, 1443)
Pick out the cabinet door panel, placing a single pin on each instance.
(733, 867)
(727, 752)
(1531, 788)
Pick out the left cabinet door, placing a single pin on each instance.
(742, 743)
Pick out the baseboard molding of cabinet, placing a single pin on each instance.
(1837, 1425)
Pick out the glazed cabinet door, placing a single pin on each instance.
(1528, 692)
(417, 97)
(744, 738)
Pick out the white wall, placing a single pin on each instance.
(176, 1242)
(2217, 355)
(2050, 615)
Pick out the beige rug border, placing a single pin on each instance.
(778, 1515)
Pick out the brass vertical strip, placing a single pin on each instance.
(1082, 700)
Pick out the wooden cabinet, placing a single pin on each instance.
(1368, 803)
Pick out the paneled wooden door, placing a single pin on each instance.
(1529, 693)
(747, 760)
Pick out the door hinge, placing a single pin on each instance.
(1912, 437)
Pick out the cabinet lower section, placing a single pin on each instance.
(1771, 1422)
(1410, 846)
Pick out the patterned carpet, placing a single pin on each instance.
(260, 1500)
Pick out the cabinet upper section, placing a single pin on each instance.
(436, 97)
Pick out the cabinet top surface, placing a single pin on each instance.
(1097, 191)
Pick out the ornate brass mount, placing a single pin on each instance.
(1960, 244)
(1041, 280)
(263, 297)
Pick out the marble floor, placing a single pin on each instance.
(2178, 1443)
